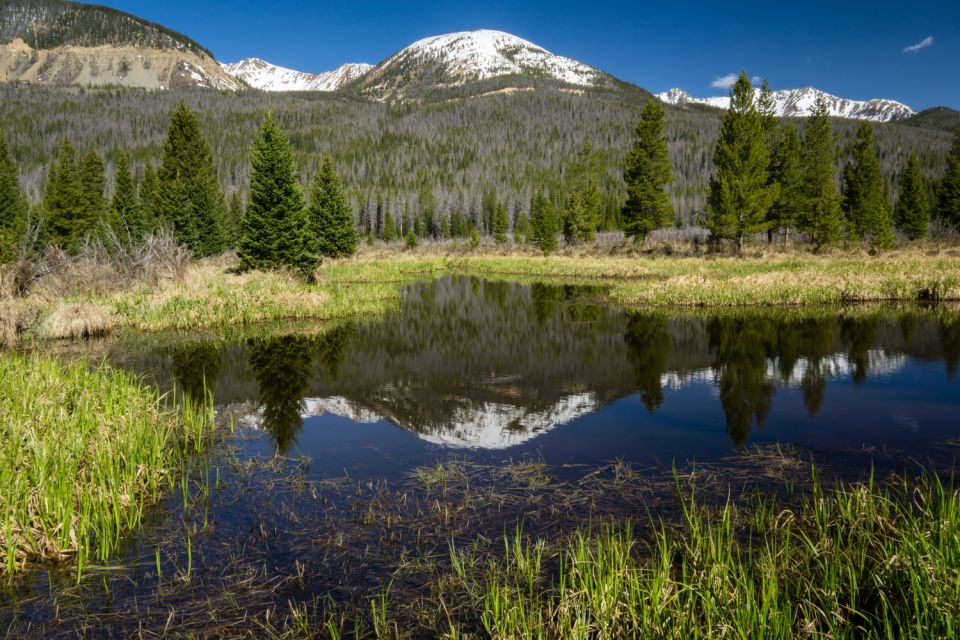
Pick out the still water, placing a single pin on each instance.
(552, 409)
(493, 371)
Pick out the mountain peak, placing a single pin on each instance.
(800, 103)
(260, 74)
(456, 59)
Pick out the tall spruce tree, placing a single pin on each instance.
(864, 195)
(501, 224)
(821, 216)
(786, 170)
(126, 215)
(233, 223)
(93, 202)
(13, 205)
(647, 174)
(521, 228)
(330, 214)
(912, 214)
(389, 231)
(583, 212)
(948, 191)
(767, 108)
(276, 231)
(148, 198)
(740, 194)
(62, 202)
(544, 223)
(188, 197)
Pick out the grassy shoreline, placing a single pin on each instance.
(83, 453)
(210, 295)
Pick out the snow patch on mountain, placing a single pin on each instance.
(265, 76)
(800, 103)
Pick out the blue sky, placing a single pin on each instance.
(852, 49)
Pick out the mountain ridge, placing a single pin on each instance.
(800, 102)
(263, 75)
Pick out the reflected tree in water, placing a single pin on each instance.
(809, 341)
(283, 368)
(649, 345)
(950, 339)
(741, 348)
(332, 347)
(858, 336)
(197, 366)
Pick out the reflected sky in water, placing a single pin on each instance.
(492, 370)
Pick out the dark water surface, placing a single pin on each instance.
(497, 370)
(485, 374)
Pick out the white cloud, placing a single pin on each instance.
(756, 80)
(724, 82)
(923, 44)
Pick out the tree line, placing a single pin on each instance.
(768, 175)
(278, 228)
(431, 166)
(769, 178)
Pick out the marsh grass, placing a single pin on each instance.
(855, 562)
(83, 453)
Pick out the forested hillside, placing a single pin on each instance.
(47, 24)
(461, 152)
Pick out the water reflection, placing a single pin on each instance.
(470, 363)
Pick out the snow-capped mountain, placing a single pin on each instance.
(260, 74)
(459, 58)
(800, 103)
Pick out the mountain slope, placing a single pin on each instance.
(800, 102)
(65, 43)
(457, 59)
(260, 74)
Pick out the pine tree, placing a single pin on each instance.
(647, 175)
(411, 239)
(13, 205)
(583, 211)
(767, 108)
(330, 214)
(148, 198)
(948, 191)
(233, 223)
(61, 201)
(544, 223)
(521, 228)
(786, 170)
(912, 214)
(189, 198)
(93, 203)
(500, 224)
(126, 215)
(740, 195)
(276, 232)
(389, 231)
(864, 195)
(821, 216)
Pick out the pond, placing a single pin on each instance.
(533, 391)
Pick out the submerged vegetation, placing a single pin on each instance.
(865, 561)
(83, 453)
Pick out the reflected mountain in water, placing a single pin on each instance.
(478, 364)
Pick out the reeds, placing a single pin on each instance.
(82, 453)
(857, 562)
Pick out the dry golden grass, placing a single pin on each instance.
(77, 320)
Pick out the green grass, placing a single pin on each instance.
(859, 561)
(210, 295)
(83, 453)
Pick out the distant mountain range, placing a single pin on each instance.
(52, 42)
(800, 103)
(260, 74)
